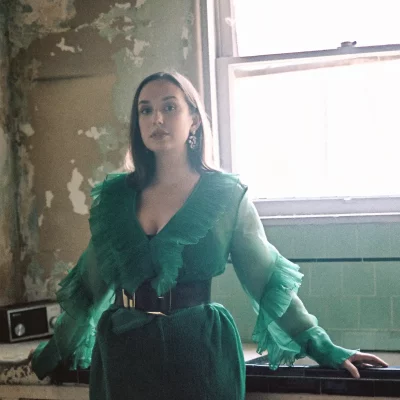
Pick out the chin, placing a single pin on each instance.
(161, 148)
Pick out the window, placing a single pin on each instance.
(308, 93)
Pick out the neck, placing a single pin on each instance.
(172, 168)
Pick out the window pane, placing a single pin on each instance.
(319, 133)
(284, 26)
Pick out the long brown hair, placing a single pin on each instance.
(142, 159)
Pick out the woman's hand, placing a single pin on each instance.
(362, 360)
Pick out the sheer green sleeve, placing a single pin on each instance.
(284, 328)
(83, 297)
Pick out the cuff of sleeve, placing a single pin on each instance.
(45, 359)
(318, 346)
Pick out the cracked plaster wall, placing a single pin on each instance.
(74, 66)
(8, 222)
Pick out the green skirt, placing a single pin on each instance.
(194, 353)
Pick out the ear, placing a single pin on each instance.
(196, 122)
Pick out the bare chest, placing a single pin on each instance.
(157, 206)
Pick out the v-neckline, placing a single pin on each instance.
(174, 216)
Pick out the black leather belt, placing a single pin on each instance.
(182, 296)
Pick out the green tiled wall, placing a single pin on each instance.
(358, 303)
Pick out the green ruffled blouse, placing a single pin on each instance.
(217, 220)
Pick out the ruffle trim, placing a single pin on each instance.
(120, 248)
(77, 302)
(283, 349)
(72, 295)
(83, 341)
(197, 217)
(74, 348)
(126, 257)
(276, 299)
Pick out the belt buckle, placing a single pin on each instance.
(156, 313)
(164, 304)
(163, 308)
(128, 301)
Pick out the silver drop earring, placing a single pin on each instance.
(192, 140)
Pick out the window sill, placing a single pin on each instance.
(329, 219)
(316, 380)
(328, 211)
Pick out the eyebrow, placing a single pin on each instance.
(163, 99)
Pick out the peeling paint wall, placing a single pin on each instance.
(74, 68)
(8, 222)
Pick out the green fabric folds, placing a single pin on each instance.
(83, 298)
(316, 343)
(120, 245)
(217, 219)
(275, 301)
(284, 328)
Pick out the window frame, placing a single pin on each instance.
(277, 212)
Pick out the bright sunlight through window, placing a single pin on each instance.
(316, 127)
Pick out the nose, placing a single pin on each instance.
(158, 117)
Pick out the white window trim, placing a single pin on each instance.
(278, 212)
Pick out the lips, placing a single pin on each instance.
(159, 134)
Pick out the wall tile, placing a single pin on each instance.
(244, 317)
(375, 312)
(358, 279)
(374, 240)
(336, 336)
(309, 241)
(227, 291)
(227, 283)
(343, 312)
(387, 340)
(387, 278)
(282, 238)
(317, 306)
(341, 241)
(395, 239)
(242, 313)
(331, 291)
(364, 340)
(396, 312)
(326, 279)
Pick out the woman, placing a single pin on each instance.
(159, 236)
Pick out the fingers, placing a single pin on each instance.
(363, 365)
(352, 369)
(369, 358)
(362, 360)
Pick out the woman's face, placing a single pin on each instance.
(165, 120)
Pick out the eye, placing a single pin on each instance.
(145, 110)
(170, 107)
